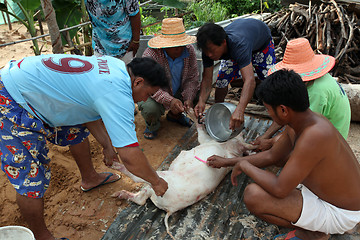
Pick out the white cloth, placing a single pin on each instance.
(318, 215)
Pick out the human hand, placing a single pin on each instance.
(263, 144)
(109, 156)
(160, 187)
(236, 120)
(187, 105)
(237, 170)
(199, 109)
(216, 161)
(133, 46)
(176, 106)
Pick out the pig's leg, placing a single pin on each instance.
(203, 136)
(121, 168)
(166, 219)
(138, 198)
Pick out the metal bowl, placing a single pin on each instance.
(217, 120)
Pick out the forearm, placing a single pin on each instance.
(97, 129)
(274, 127)
(206, 84)
(246, 94)
(260, 160)
(136, 162)
(190, 88)
(135, 22)
(163, 97)
(205, 90)
(265, 179)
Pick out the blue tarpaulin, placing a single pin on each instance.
(12, 7)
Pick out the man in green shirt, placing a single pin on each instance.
(326, 96)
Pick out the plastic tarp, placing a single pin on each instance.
(12, 7)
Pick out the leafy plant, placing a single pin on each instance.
(172, 3)
(205, 11)
(68, 13)
(240, 7)
(147, 20)
(27, 7)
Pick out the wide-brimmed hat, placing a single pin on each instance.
(172, 35)
(300, 57)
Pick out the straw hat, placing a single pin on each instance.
(172, 35)
(300, 57)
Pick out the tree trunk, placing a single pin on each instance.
(353, 93)
(86, 30)
(53, 27)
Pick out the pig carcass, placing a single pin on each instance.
(189, 179)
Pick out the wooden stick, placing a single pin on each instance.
(328, 37)
(351, 35)
(77, 46)
(339, 13)
(352, 77)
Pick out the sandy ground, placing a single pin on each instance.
(68, 211)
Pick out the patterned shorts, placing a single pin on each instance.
(23, 147)
(261, 61)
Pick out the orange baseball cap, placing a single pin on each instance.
(300, 57)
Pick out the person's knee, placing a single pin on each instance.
(151, 112)
(150, 108)
(253, 197)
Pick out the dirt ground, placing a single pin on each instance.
(68, 211)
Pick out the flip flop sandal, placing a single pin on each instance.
(287, 236)
(182, 120)
(153, 134)
(103, 182)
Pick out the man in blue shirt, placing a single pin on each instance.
(172, 50)
(244, 45)
(63, 98)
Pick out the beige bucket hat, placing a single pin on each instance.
(172, 35)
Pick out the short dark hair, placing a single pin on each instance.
(147, 68)
(210, 32)
(284, 87)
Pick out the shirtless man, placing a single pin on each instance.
(318, 189)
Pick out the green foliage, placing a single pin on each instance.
(240, 7)
(68, 13)
(206, 11)
(172, 3)
(148, 19)
(166, 9)
(29, 5)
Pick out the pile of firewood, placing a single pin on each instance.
(331, 27)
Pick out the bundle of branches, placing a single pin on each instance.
(331, 27)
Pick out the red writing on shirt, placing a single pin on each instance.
(65, 66)
(103, 66)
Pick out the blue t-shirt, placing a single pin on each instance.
(111, 27)
(66, 90)
(176, 68)
(244, 38)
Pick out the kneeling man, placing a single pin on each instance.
(318, 188)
